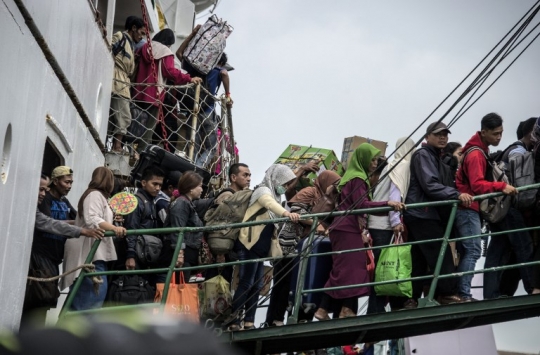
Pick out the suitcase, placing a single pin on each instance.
(317, 273)
(205, 49)
(153, 155)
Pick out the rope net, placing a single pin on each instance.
(189, 121)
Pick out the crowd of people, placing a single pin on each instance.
(436, 171)
(146, 108)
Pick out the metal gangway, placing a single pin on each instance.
(428, 318)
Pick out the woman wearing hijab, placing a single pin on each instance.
(346, 233)
(149, 96)
(254, 242)
(94, 212)
(381, 228)
(289, 237)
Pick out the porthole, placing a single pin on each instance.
(6, 154)
(99, 107)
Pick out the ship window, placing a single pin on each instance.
(51, 158)
(6, 155)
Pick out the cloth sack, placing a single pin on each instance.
(215, 298)
(182, 300)
(394, 264)
(41, 294)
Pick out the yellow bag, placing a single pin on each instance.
(182, 300)
(216, 299)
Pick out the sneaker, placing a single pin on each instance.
(410, 304)
(466, 299)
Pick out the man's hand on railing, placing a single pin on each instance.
(465, 199)
(510, 190)
(96, 233)
(130, 264)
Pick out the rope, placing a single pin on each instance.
(87, 267)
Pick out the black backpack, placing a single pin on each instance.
(129, 289)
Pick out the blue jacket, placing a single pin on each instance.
(426, 184)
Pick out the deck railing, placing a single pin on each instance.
(304, 255)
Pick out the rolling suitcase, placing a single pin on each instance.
(317, 273)
(205, 49)
(167, 161)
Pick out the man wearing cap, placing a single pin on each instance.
(429, 184)
(471, 179)
(47, 254)
(56, 205)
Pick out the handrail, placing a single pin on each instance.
(304, 255)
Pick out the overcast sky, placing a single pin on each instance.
(314, 72)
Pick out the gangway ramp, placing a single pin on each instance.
(383, 326)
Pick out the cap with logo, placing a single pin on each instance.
(437, 127)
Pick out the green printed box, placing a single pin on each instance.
(297, 155)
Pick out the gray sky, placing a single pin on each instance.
(315, 72)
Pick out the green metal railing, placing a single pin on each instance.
(303, 255)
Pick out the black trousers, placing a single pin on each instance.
(279, 297)
(424, 256)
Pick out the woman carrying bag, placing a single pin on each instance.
(346, 233)
(393, 186)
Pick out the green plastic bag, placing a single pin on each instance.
(394, 264)
(215, 298)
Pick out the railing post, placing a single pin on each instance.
(225, 154)
(429, 301)
(194, 118)
(73, 291)
(172, 265)
(304, 260)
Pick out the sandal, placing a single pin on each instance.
(234, 328)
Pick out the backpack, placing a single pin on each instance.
(520, 170)
(492, 209)
(129, 289)
(148, 247)
(119, 46)
(230, 210)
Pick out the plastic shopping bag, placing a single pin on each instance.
(216, 299)
(182, 300)
(394, 264)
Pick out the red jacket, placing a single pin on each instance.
(474, 168)
(148, 93)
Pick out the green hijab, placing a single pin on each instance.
(359, 165)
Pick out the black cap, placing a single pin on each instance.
(437, 127)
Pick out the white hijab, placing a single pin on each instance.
(401, 172)
(276, 175)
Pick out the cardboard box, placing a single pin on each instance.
(351, 143)
(296, 155)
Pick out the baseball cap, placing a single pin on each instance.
(437, 127)
(61, 171)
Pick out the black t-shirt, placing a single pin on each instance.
(52, 245)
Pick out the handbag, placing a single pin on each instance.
(394, 264)
(148, 248)
(216, 298)
(275, 248)
(370, 263)
(182, 300)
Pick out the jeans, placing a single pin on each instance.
(206, 139)
(249, 285)
(86, 297)
(519, 243)
(468, 224)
